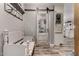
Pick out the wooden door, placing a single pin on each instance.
(76, 32)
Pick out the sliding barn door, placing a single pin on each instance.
(42, 27)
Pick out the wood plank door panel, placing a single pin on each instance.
(76, 32)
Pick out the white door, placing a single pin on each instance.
(42, 27)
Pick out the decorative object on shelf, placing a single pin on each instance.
(69, 28)
(58, 22)
(14, 9)
(18, 7)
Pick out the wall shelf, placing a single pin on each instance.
(17, 6)
(14, 11)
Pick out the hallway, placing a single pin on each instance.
(38, 29)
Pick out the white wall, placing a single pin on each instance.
(68, 11)
(58, 37)
(9, 22)
(30, 22)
